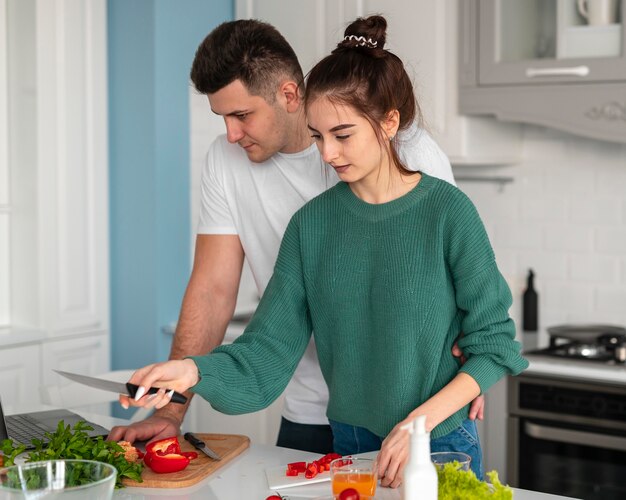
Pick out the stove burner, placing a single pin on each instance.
(575, 350)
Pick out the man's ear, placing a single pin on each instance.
(289, 92)
(391, 123)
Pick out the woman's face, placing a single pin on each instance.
(346, 140)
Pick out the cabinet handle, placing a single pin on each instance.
(573, 71)
(575, 437)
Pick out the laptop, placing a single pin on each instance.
(24, 427)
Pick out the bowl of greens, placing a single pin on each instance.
(58, 479)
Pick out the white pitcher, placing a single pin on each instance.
(598, 12)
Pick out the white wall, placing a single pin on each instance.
(564, 215)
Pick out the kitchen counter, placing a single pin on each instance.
(244, 479)
(577, 369)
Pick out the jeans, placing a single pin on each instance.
(465, 439)
(305, 437)
(350, 440)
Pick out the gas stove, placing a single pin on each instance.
(593, 343)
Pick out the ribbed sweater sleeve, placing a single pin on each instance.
(253, 371)
(484, 298)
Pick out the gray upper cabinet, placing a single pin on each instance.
(558, 63)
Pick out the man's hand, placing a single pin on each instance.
(158, 426)
(477, 408)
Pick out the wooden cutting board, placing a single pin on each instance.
(227, 446)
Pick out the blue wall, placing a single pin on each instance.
(151, 47)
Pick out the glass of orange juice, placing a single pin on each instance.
(352, 472)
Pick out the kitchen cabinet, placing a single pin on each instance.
(424, 35)
(20, 375)
(27, 358)
(54, 264)
(543, 62)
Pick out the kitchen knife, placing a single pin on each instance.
(200, 445)
(119, 387)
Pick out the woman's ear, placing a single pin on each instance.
(289, 93)
(391, 123)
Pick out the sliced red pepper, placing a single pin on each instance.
(162, 464)
(191, 455)
(165, 446)
(297, 466)
(312, 470)
(292, 473)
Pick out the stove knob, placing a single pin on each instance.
(619, 353)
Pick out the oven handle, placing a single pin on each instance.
(575, 437)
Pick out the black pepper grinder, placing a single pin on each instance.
(530, 304)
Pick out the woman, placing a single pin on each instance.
(385, 269)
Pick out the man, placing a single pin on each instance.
(255, 178)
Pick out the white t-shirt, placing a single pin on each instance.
(256, 202)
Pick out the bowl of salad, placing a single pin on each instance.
(58, 479)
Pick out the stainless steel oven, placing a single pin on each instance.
(567, 437)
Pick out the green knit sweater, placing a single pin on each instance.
(386, 289)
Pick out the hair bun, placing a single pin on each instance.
(368, 33)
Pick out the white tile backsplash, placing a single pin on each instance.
(564, 215)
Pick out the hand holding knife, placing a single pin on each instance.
(200, 445)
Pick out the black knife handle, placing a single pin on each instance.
(176, 397)
(193, 440)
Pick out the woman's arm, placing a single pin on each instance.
(394, 453)
(252, 372)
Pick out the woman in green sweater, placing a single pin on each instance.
(384, 269)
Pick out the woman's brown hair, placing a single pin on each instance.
(360, 73)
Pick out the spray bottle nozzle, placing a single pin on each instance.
(417, 426)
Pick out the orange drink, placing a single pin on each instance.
(357, 473)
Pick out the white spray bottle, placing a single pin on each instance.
(420, 476)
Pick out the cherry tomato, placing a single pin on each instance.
(349, 494)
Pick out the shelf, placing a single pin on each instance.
(590, 41)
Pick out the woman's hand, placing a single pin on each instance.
(394, 454)
(176, 375)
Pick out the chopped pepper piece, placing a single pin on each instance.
(312, 470)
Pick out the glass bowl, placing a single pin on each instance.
(58, 479)
(439, 458)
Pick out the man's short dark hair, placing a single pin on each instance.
(248, 50)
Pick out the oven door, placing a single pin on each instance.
(567, 459)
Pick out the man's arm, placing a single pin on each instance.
(208, 306)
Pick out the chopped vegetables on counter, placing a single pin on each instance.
(311, 469)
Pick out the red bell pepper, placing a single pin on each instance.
(164, 446)
(313, 468)
(165, 456)
(297, 467)
(162, 464)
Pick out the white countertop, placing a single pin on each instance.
(244, 479)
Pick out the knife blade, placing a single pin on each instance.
(119, 387)
(201, 445)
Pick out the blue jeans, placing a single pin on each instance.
(350, 440)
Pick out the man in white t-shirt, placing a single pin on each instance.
(255, 178)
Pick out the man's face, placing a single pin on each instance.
(260, 128)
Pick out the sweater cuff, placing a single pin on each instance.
(206, 370)
(484, 371)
